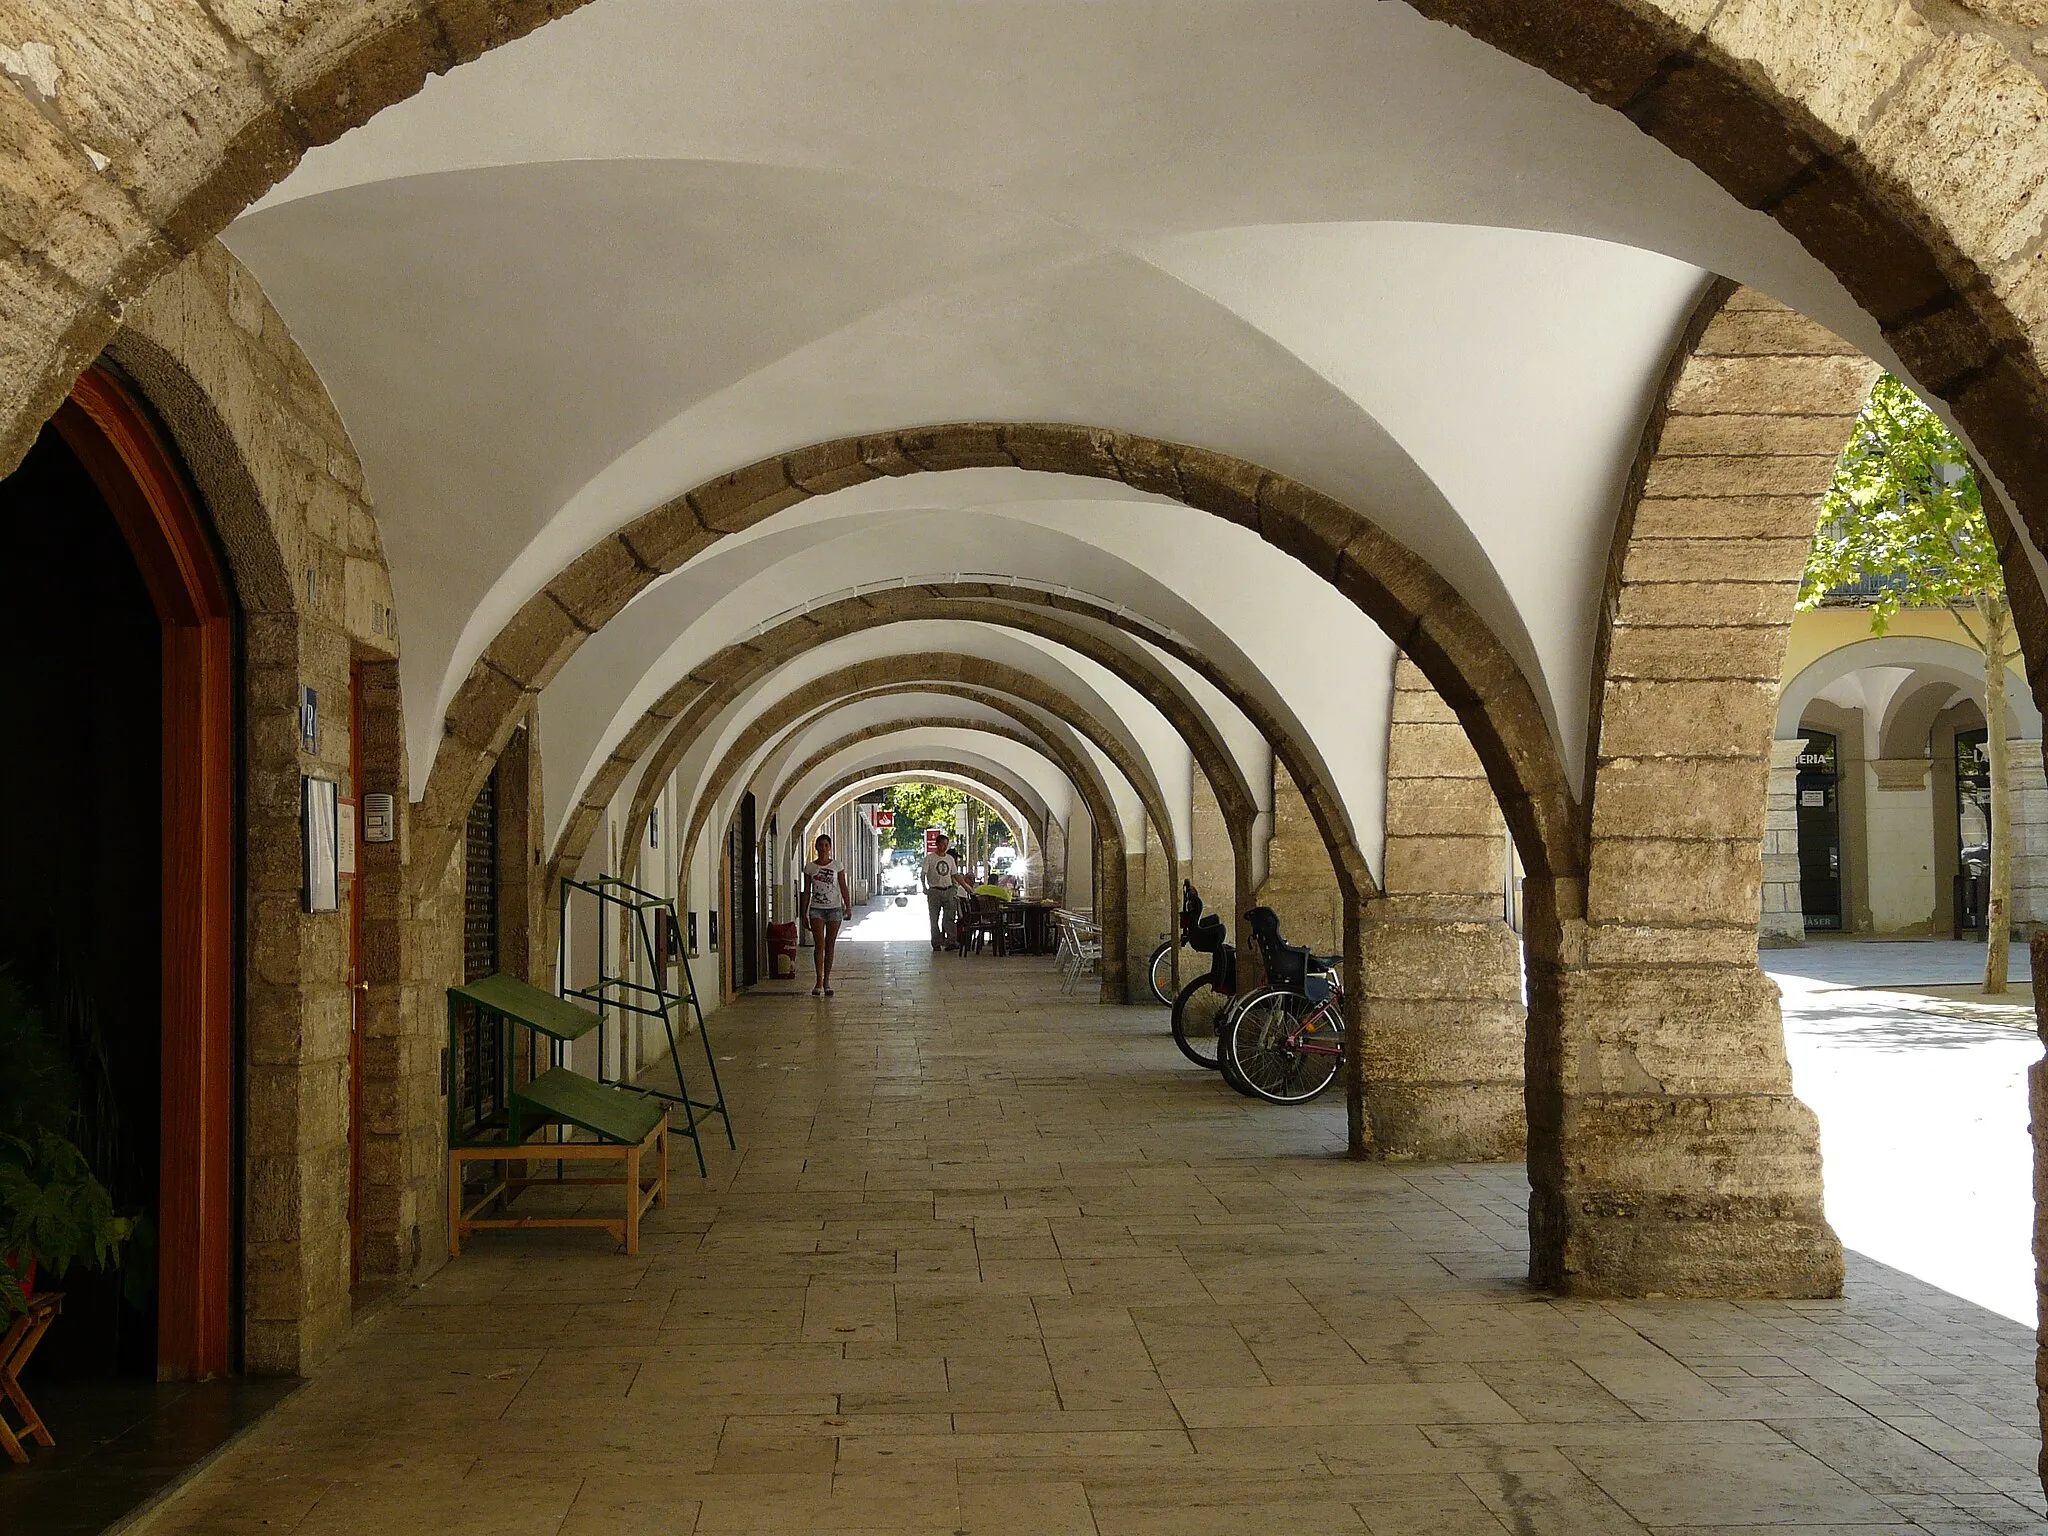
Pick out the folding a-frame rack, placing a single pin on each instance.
(613, 992)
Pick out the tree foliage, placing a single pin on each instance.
(1905, 511)
(1903, 521)
(918, 806)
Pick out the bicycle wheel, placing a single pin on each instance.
(1161, 973)
(1272, 1045)
(1197, 1012)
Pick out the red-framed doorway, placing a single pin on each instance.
(113, 436)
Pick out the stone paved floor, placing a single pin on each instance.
(993, 1260)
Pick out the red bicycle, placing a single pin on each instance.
(1285, 1044)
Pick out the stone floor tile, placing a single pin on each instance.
(1042, 1277)
(1673, 1481)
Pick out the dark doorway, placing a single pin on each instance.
(746, 932)
(1820, 832)
(81, 919)
(1973, 831)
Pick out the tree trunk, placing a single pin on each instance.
(1997, 922)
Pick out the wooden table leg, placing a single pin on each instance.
(454, 1205)
(633, 1200)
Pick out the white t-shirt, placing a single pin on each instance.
(939, 870)
(821, 882)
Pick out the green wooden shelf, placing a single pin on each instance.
(558, 1094)
(523, 1003)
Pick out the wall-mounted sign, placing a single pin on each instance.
(931, 838)
(309, 719)
(693, 933)
(320, 811)
(345, 837)
(885, 819)
(380, 819)
(714, 930)
(1813, 797)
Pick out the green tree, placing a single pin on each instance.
(1906, 509)
(918, 806)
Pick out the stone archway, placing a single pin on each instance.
(988, 683)
(1470, 668)
(1007, 798)
(1112, 884)
(666, 731)
(1029, 731)
(1045, 614)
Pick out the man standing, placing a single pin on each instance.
(940, 875)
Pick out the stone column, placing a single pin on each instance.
(1052, 880)
(1112, 914)
(1155, 908)
(1783, 923)
(1215, 870)
(2027, 784)
(1441, 1017)
(1301, 882)
(1667, 1153)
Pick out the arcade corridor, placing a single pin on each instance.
(992, 1260)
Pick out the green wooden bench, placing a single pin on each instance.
(623, 1126)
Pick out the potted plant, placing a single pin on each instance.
(53, 1211)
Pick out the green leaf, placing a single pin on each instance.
(1904, 509)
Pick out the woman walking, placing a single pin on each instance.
(827, 901)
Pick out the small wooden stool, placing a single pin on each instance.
(20, 1341)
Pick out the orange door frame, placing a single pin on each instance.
(141, 481)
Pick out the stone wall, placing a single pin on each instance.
(281, 482)
(1301, 879)
(1214, 866)
(1152, 916)
(1439, 1016)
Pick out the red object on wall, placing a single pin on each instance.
(931, 838)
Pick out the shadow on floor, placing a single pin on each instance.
(121, 1447)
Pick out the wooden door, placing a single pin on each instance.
(359, 987)
(132, 466)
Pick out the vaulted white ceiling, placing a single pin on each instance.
(653, 242)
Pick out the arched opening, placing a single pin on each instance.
(117, 872)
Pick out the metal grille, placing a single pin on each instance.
(480, 888)
(480, 1074)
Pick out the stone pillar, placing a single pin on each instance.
(1154, 910)
(1667, 1153)
(1783, 923)
(2028, 786)
(1215, 863)
(2037, 1104)
(1898, 832)
(1053, 861)
(1442, 1021)
(1301, 882)
(1112, 914)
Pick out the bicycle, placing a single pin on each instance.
(1203, 1004)
(1284, 1042)
(1160, 970)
